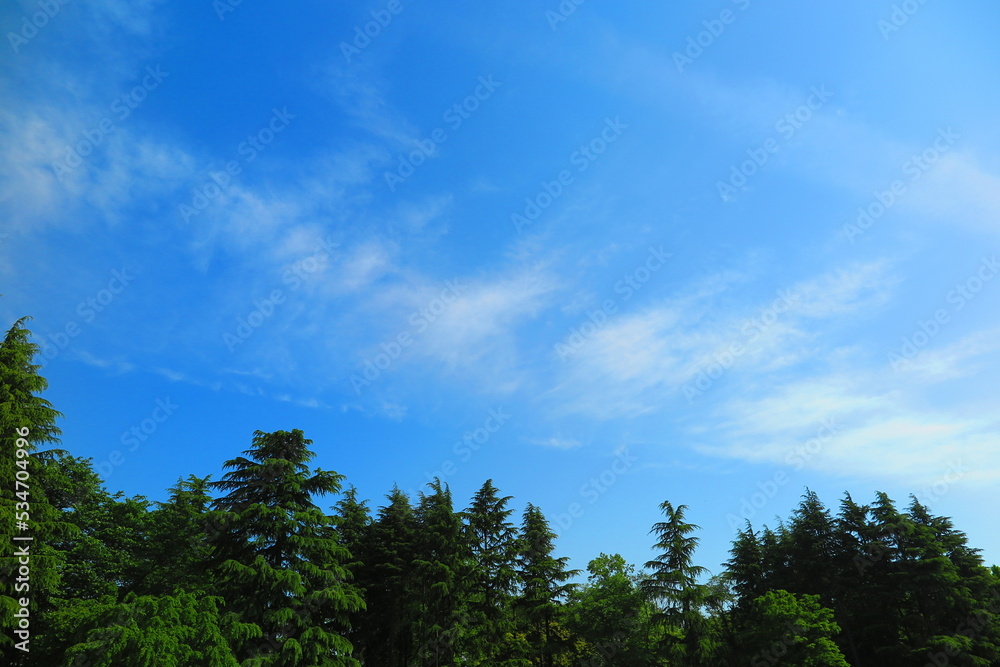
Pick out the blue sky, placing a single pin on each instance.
(605, 255)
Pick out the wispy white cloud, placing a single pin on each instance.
(640, 362)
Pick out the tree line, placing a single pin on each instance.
(250, 570)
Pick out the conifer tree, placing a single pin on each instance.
(178, 549)
(442, 566)
(543, 580)
(167, 631)
(392, 605)
(27, 424)
(493, 539)
(673, 582)
(278, 568)
(352, 529)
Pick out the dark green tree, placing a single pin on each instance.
(543, 578)
(179, 548)
(673, 584)
(169, 631)
(27, 426)
(441, 568)
(278, 568)
(392, 604)
(493, 539)
(352, 529)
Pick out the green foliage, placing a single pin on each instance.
(793, 631)
(543, 585)
(27, 418)
(609, 616)
(261, 577)
(493, 541)
(277, 567)
(167, 631)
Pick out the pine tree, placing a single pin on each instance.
(352, 528)
(277, 568)
(27, 423)
(494, 546)
(392, 604)
(673, 582)
(442, 566)
(810, 543)
(543, 580)
(178, 549)
(160, 631)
